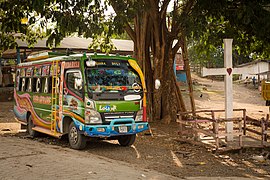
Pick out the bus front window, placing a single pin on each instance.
(113, 80)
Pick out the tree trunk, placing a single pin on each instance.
(165, 102)
(142, 54)
(168, 100)
(150, 31)
(156, 103)
(188, 73)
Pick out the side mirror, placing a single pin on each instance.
(90, 63)
(157, 84)
(78, 84)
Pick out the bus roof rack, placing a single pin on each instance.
(43, 55)
(69, 51)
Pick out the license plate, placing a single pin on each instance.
(122, 129)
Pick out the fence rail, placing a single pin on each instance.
(188, 121)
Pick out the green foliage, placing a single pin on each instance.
(247, 22)
(124, 35)
(207, 56)
(55, 20)
(205, 24)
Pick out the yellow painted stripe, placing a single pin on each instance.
(37, 58)
(135, 66)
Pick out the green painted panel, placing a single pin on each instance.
(41, 104)
(73, 104)
(117, 106)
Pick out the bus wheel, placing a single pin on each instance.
(127, 140)
(30, 126)
(76, 139)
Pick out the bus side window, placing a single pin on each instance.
(48, 82)
(17, 83)
(19, 86)
(30, 85)
(74, 82)
(37, 85)
(45, 85)
(50, 85)
(34, 82)
(23, 85)
(26, 84)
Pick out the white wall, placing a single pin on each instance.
(252, 69)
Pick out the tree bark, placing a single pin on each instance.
(150, 30)
(188, 73)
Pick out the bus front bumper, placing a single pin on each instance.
(116, 127)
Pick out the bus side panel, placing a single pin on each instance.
(23, 105)
(73, 107)
(72, 104)
(42, 107)
(20, 113)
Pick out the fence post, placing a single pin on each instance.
(240, 136)
(245, 121)
(263, 130)
(266, 127)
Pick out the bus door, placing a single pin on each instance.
(73, 105)
(61, 87)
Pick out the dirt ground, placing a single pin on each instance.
(168, 153)
(210, 95)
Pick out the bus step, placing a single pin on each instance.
(47, 131)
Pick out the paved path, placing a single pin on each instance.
(27, 159)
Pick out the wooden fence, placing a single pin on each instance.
(212, 126)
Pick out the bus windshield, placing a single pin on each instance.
(110, 79)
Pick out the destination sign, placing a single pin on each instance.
(111, 63)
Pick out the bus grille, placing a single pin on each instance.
(108, 117)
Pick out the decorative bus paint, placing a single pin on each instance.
(82, 95)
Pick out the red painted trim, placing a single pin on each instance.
(144, 114)
(35, 65)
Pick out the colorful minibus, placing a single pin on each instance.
(81, 95)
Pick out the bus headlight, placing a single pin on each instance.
(92, 117)
(139, 116)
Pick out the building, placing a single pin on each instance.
(260, 69)
(180, 68)
(75, 44)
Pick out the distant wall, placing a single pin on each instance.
(253, 69)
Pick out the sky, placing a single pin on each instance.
(111, 11)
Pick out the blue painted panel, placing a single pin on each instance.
(181, 76)
(18, 56)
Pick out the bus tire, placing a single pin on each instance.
(30, 126)
(76, 139)
(127, 140)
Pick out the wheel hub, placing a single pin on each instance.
(74, 135)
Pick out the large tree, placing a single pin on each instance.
(247, 22)
(157, 33)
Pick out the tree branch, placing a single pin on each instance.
(164, 7)
(176, 24)
(176, 47)
(155, 20)
(128, 28)
(130, 32)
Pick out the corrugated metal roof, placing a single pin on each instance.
(124, 47)
(79, 43)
